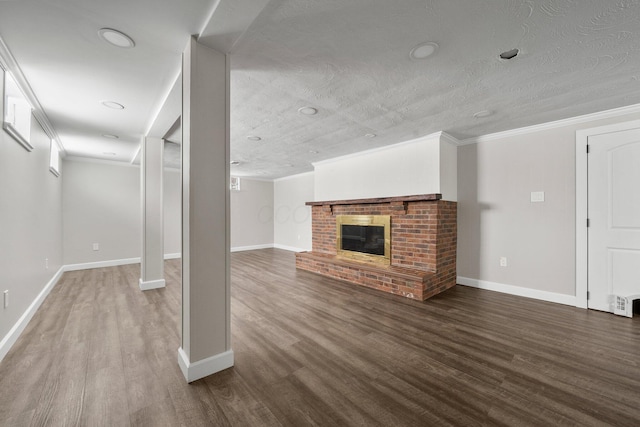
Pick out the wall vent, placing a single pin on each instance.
(621, 306)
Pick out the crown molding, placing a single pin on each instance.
(298, 175)
(450, 139)
(100, 161)
(9, 63)
(607, 114)
(436, 135)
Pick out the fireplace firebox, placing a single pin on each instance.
(364, 237)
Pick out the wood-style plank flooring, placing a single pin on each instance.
(315, 351)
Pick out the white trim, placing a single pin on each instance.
(290, 248)
(152, 284)
(450, 139)
(582, 248)
(205, 367)
(8, 127)
(136, 157)
(436, 135)
(299, 175)
(14, 333)
(101, 264)
(517, 290)
(250, 178)
(251, 248)
(69, 158)
(607, 114)
(582, 207)
(112, 263)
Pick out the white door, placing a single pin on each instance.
(614, 221)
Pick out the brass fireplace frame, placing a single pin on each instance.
(374, 220)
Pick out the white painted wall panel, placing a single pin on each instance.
(292, 218)
(30, 214)
(172, 211)
(496, 217)
(448, 170)
(252, 214)
(101, 204)
(403, 169)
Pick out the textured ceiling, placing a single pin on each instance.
(349, 59)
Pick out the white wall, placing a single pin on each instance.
(252, 215)
(30, 214)
(408, 168)
(292, 218)
(172, 198)
(100, 204)
(496, 217)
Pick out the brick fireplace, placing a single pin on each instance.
(423, 245)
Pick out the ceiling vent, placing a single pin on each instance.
(510, 54)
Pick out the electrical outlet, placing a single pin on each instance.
(537, 196)
(503, 261)
(96, 246)
(46, 263)
(6, 298)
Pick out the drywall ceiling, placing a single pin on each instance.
(348, 59)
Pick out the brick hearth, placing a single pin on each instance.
(423, 245)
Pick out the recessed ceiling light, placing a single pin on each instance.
(371, 135)
(234, 163)
(308, 111)
(483, 113)
(110, 136)
(109, 153)
(113, 105)
(509, 54)
(254, 138)
(116, 38)
(423, 50)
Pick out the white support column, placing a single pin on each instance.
(151, 170)
(206, 346)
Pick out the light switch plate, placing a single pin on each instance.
(537, 196)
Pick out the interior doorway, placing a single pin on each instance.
(608, 218)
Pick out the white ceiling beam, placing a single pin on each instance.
(229, 21)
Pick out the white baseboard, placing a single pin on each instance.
(14, 333)
(203, 368)
(101, 264)
(519, 291)
(289, 248)
(152, 284)
(251, 248)
(112, 263)
(267, 246)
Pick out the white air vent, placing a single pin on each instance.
(621, 306)
(235, 183)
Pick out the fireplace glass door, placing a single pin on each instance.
(364, 237)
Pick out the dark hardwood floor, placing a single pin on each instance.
(316, 351)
